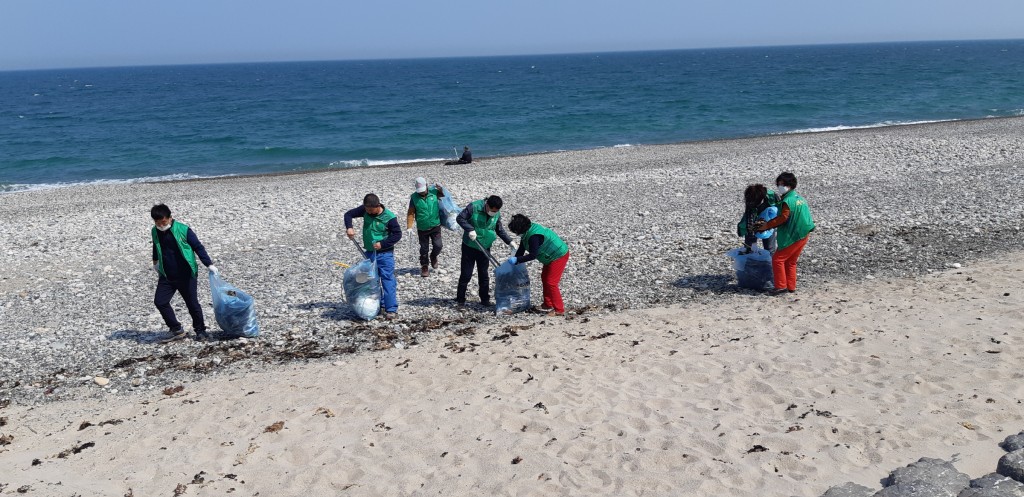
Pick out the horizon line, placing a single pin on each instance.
(439, 57)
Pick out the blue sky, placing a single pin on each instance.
(48, 33)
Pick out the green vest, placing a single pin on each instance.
(375, 228)
(180, 232)
(773, 201)
(427, 213)
(484, 226)
(799, 223)
(550, 249)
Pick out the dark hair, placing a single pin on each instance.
(754, 195)
(371, 200)
(160, 211)
(519, 224)
(788, 179)
(494, 202)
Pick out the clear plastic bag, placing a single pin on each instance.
(234, 309)
(362, 289)
(753, 270)
(448, 210)
(511, 288)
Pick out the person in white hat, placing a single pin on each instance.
(425, 214)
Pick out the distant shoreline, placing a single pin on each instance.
(440, 162)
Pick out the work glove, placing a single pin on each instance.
(514, 245)
(512, 260)
(156, 269)
(350, 233)
(213, 269)
(472, 235)
(410, 231)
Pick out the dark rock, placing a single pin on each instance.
(1012, 465)
(925, 478)
(1013, 442)
(994, 485)
(849, 489)
(920, 488)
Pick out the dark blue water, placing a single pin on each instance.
(80, 125)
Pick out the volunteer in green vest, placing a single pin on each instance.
(425, 212)
(481, 223)
(175, 248)
(380, 234)
(793, 227)
(545, 246)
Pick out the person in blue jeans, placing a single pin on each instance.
(380, 234)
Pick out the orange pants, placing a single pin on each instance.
(784, 265)
(550, 276)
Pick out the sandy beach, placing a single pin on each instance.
(664, 378)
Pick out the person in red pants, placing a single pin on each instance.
(545, 246)
(794, 226)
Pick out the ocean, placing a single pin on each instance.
(71, 126)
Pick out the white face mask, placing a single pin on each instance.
(782, 189)
(164, 227)
(492, 214)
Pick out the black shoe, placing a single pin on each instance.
(486, 303)
(777, 291)
(433, 262)
(174, 336)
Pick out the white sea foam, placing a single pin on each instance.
(370, 163)
(622, 145)
(27, 187)
(841, 127)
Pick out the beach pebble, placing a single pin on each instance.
(101, 381)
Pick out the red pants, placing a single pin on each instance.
(784, 265)
(550, 276)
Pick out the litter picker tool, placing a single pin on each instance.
(489, 256)
(360, 249)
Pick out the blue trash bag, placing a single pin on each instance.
(448, 210)
(767, 215)
(362, 289)
(753, 270)
(511, 288)
(234, 309)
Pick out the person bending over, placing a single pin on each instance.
(544, 245)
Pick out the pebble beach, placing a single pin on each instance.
(663, 378)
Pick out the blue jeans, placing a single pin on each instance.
(389, 286)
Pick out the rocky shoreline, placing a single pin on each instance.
(938, 478)
(647, 226)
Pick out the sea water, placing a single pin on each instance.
(174, 122)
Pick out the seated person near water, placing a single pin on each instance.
(467, 157)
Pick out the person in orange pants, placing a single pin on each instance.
(545, 246)
(794, 226)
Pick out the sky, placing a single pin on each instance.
(37, 34)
